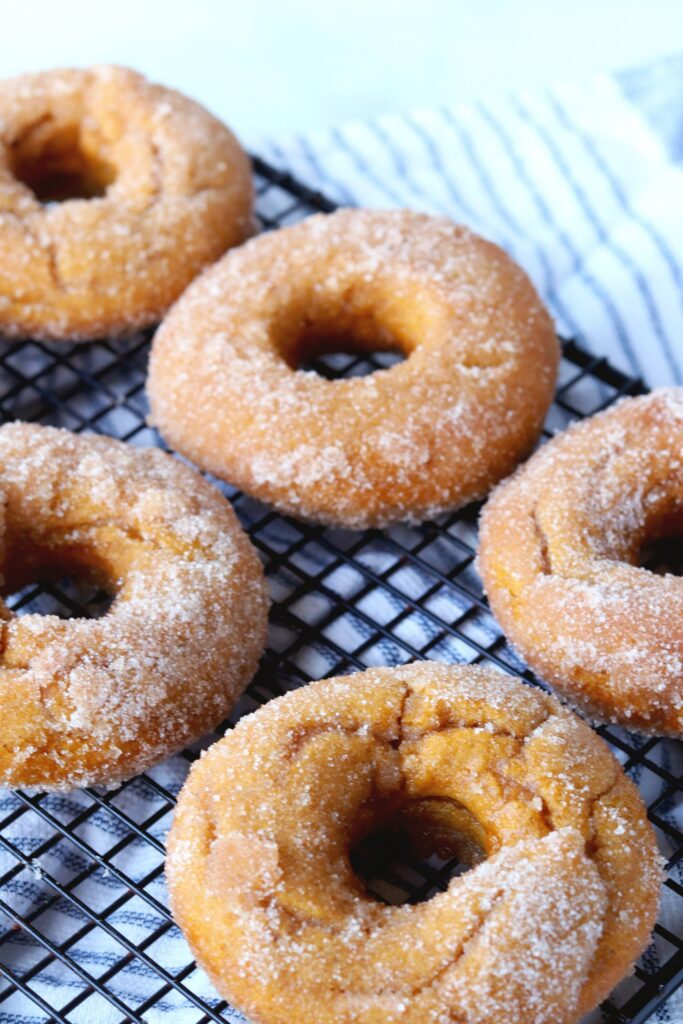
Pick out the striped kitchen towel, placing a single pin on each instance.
(581, 183)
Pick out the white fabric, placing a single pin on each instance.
(581, 184)
(572, 182)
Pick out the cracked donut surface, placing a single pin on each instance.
(404, 443)
(142, 188)
(262, 885)
(94, 701)
(561, 547)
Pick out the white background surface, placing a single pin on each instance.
(274, 67)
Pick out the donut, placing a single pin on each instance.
(561, 548)
(555, 912)
(94, 701)
(424, 436)
(114, 194)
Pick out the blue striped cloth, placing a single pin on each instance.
(581, 183)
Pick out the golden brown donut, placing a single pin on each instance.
(143, 188)
(560, 548)
(262, 886)
(404, 443)
(94, 701)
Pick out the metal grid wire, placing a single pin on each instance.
(86, 932)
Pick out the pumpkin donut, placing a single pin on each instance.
(405, 443)
(561, 549)
(262, 886)
(114, 194)
(94, 701)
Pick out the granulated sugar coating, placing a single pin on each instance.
(155, 188)
(96, 701)
(404, 443)
(261, 883)
(560, 548)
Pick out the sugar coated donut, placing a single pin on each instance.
(561, 547)
(114, 194)
(93, 701)
(405, 443)
(261, 881)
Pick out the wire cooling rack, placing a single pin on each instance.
(86, 933)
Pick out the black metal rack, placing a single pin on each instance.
(86, 932)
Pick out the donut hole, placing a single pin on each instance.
(328, 339)
(411, 852)
(69, 597)
(334, 356)
(69, 584)
(660, 547)
(57, 164)
(663, 555)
